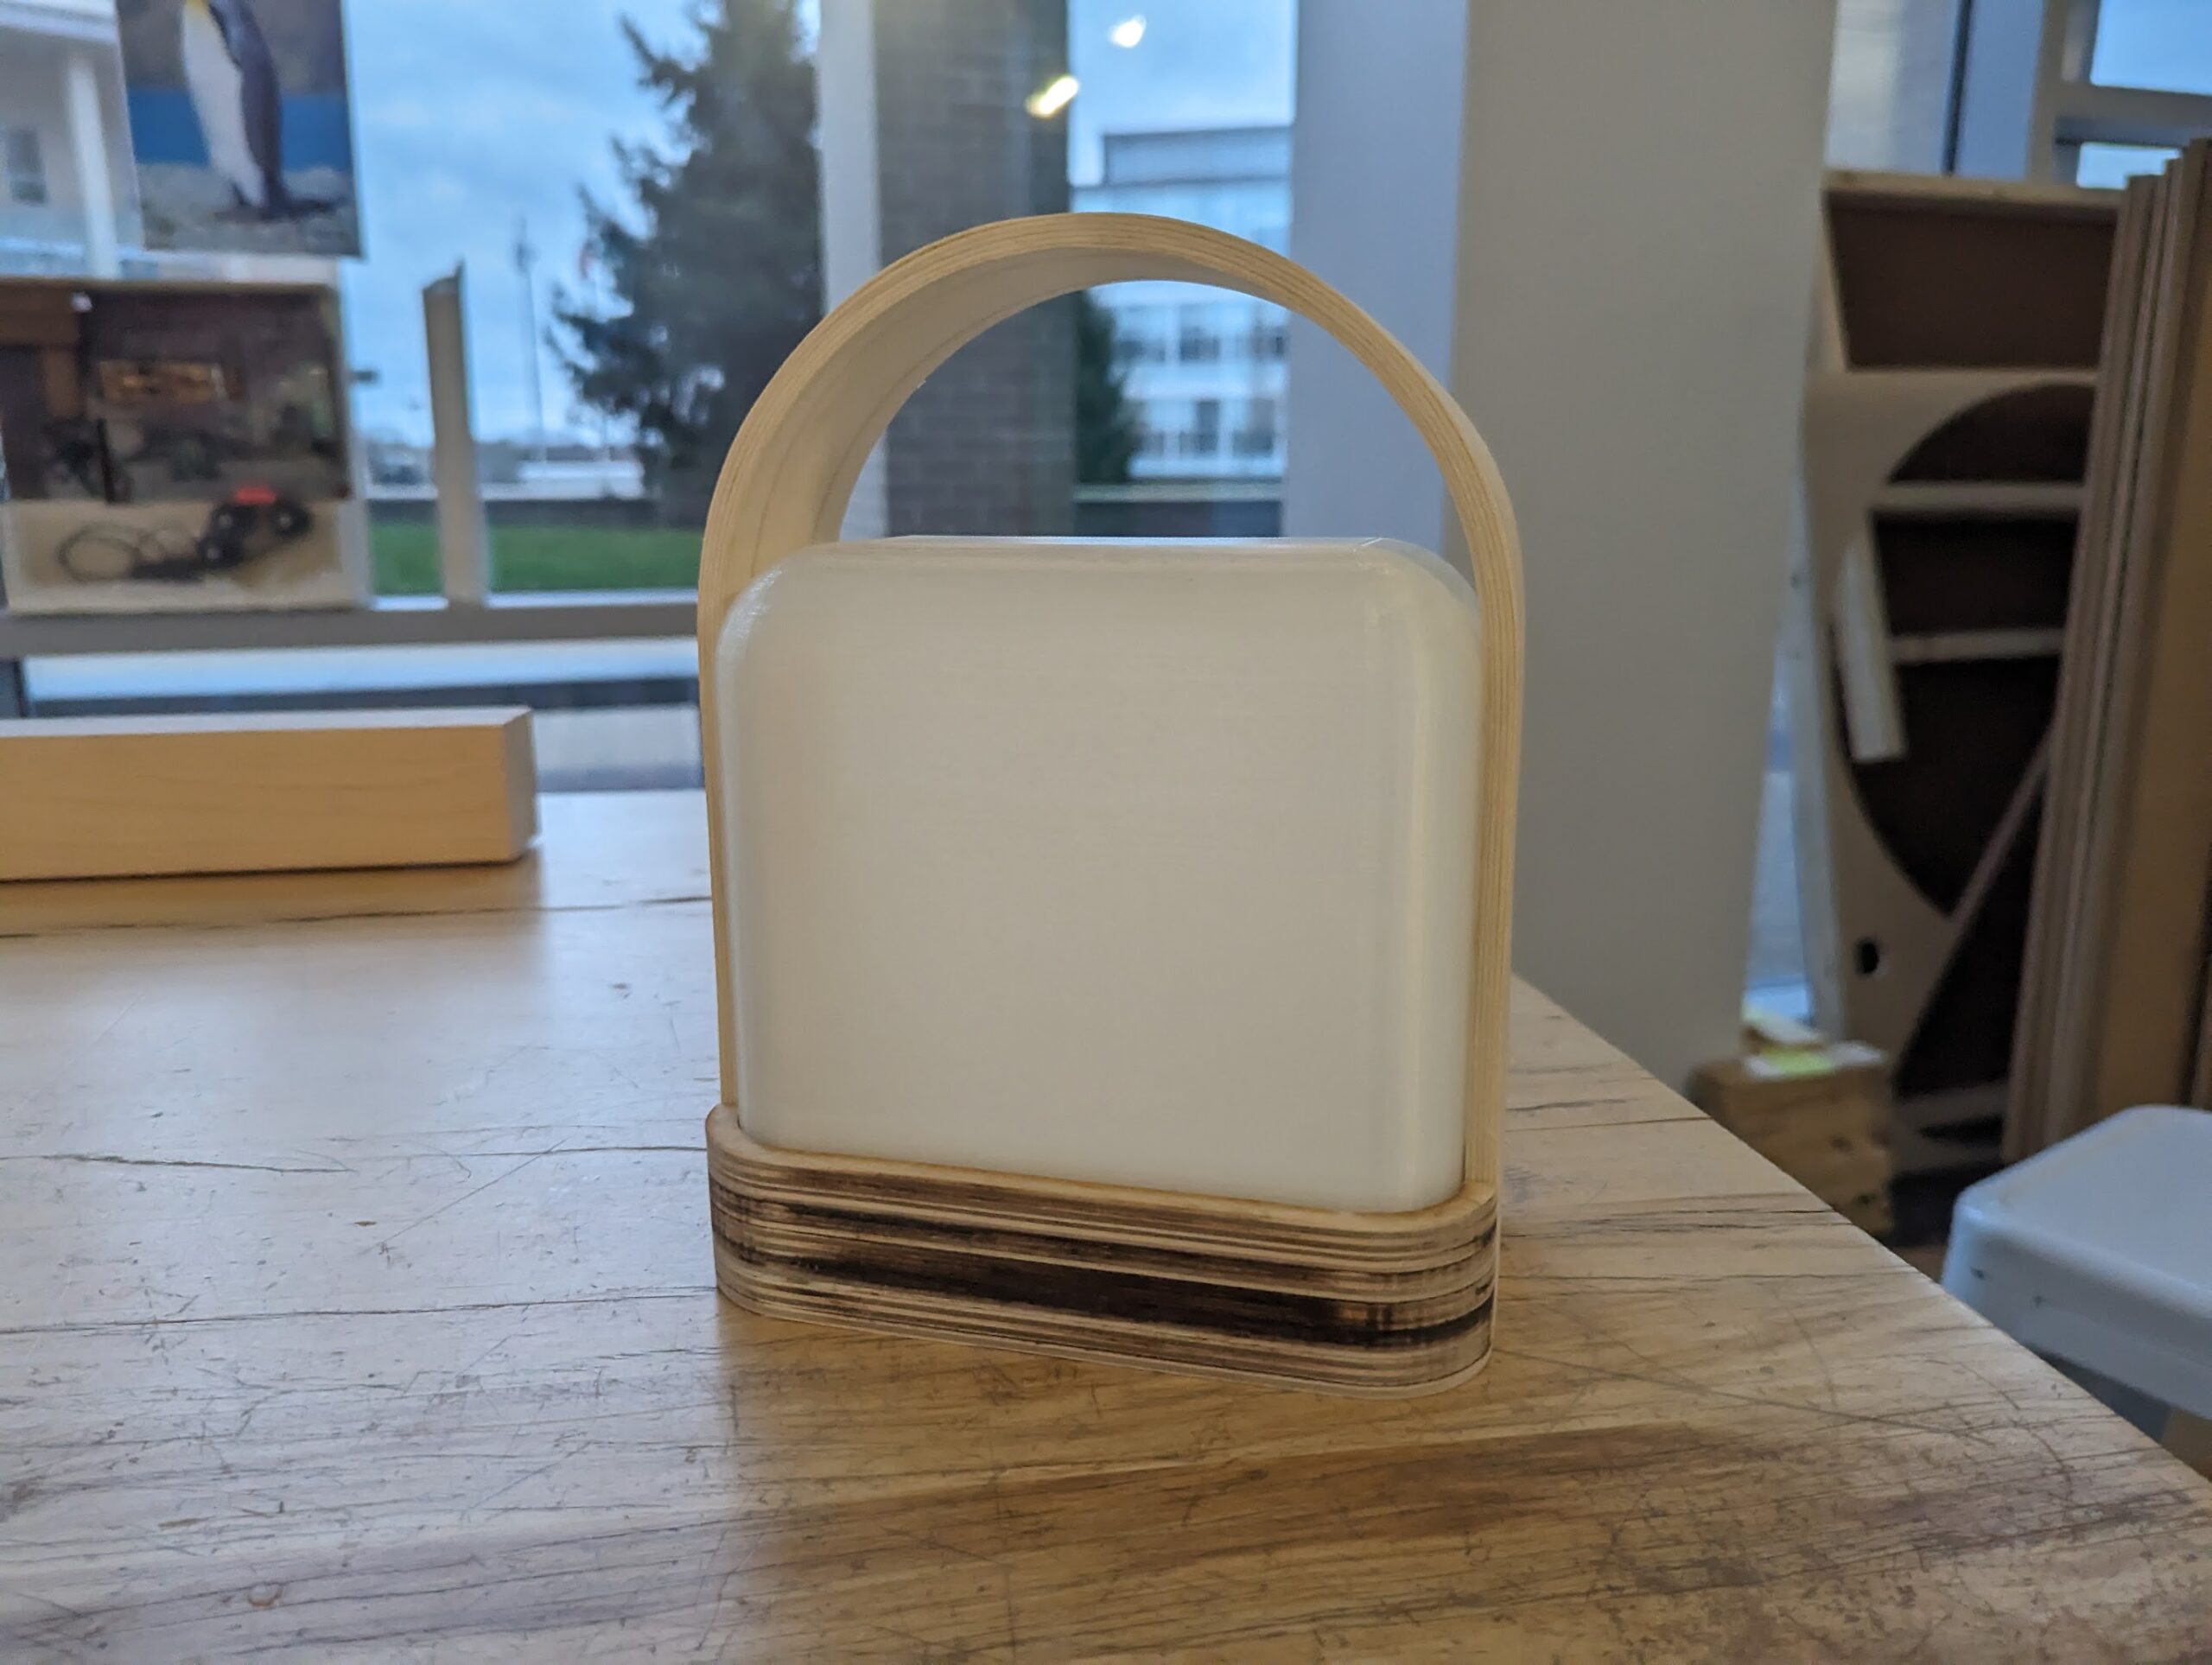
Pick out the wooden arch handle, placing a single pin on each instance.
(791, 471)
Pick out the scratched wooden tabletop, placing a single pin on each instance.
(357, 1302)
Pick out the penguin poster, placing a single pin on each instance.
(240, 124)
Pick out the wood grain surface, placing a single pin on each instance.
(262, 792)
(360, 1304)
(598, 851)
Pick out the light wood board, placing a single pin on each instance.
(2084, 671)
(103, 797)
(2117, 974)
(2146, 1022)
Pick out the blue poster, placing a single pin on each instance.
(240, 124)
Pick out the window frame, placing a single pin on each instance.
(2024, 103)
(22, 164)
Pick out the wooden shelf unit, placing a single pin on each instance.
(1954, 371)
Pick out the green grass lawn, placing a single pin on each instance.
(545, 558)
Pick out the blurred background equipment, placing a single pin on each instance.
(174, 447)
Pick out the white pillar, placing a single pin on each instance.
(1635, 192)
(464, 539)
(88, 149)
(852, 216)
(1890, 90)
(2013, 53)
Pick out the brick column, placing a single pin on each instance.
(988, 445)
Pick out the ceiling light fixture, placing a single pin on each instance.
(1053, 97)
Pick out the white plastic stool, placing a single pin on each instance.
(2097, 1254)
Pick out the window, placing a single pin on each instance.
(1257, 436)
(2081, 90)
(2114, 164)
(2162, 44)
(612, 349)
(1140, 349)
(1192, 122)
(1890, 83)
(1271, 340)
(1206, 428)
(601, 400)
(25, 163)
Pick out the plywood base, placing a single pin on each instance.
(1380, 1304)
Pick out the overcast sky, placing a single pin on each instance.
(466, 117)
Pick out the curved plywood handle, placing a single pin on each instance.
(791, 470)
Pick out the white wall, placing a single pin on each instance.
(1635, 199)
(1890, 89)
(1374, 209)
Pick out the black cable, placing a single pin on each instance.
(236, 532)
(150, 552)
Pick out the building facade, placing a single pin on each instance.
(1204, 370)
(66, 186)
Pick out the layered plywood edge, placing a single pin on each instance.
(2116, 977)
(1379, 1305)
(1956, 320)
(1372, 1304)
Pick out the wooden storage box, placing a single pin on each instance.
(1819, 1114)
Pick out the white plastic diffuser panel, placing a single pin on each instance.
(1142, 863)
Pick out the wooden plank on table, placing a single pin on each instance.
(98, 797)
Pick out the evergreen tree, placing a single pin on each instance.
(715, 266)
(1105, 426)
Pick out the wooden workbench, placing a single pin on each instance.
(359, 1300)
